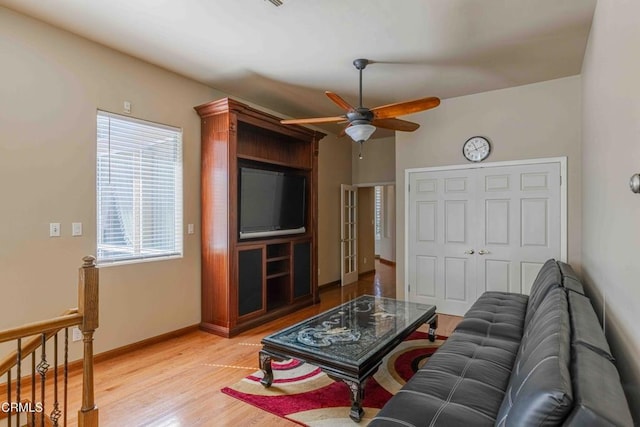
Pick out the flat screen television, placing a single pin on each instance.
(271, 203)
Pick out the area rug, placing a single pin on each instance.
(305, 395)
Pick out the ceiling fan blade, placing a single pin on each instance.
(337, 99)
(395, 124)
(312, 120)
(406, 107)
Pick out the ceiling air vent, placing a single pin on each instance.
(275, 2)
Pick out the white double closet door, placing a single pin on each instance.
(484, 229)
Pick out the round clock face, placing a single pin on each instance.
(476, 149)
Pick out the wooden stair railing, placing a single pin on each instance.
(32, 337)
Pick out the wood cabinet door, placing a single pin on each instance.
(251, 281)
(301, 269)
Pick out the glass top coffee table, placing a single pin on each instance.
(348, 342)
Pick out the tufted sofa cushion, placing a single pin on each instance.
(496, 315)
(462, 384)
(540, 391)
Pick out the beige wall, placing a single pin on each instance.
(378, 163)
(533, 121)
(611, 154)
(51, 87)
(49, 93)
(334, 169)
(366, 229)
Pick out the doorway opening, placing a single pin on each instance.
(368, 234)
(385, 223)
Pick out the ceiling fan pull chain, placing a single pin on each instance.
(360, 157)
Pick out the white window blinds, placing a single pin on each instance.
(139, 189)
(378, 212)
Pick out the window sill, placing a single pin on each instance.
(104, 264)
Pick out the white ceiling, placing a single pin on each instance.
(284, 58)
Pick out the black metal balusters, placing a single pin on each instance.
(19, 373)
(42, 368)
(9, 397)
(55, 413)
(33, 385)
(66, 371)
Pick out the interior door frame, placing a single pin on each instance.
(563, 199)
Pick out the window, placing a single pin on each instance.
(139, 189)
(378, 211)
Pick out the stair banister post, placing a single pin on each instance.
(88, 307)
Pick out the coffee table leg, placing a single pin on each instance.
(433, 325)
(265, 366)
(357, 395)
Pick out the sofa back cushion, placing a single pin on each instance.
(549, 277)
(586, 326)
(539, 391)
(598, 396)
(570, 279)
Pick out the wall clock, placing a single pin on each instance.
(476, 148)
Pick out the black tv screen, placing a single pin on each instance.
(271, 203)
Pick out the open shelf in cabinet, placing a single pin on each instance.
(277, 268)
(278, 251)
(278, 291)
(278, 260)
(278, 274)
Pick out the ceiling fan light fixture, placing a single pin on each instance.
(360, 132)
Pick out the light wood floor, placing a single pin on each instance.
(177, 382)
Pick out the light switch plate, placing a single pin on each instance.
(190, 229)
(76, 229)
(54, 229)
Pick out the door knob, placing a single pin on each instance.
(483, 252)
(469, 252)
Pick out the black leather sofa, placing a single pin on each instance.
(518, 360)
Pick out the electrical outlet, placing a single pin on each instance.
(77, 335)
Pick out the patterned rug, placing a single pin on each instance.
(303, 394)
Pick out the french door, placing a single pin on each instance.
(482, 229)
(348, 234)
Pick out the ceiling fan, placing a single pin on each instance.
(362, 121)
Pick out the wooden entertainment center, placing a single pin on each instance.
(246, 282)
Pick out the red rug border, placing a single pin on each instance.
(230, 392)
